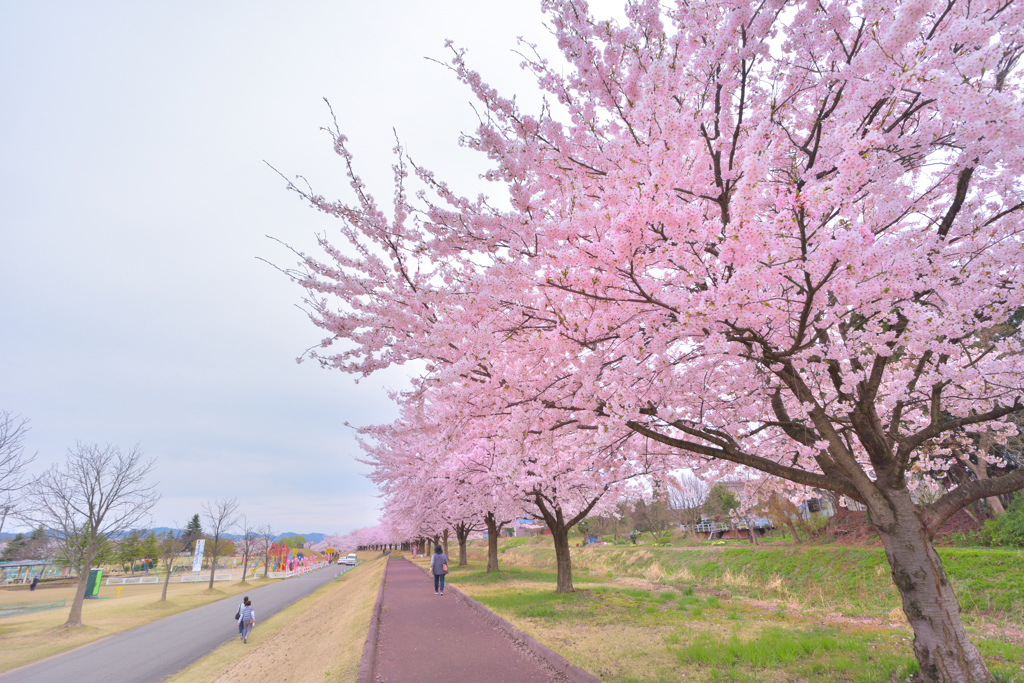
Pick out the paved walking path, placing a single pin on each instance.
(425, 637)
(152, 652)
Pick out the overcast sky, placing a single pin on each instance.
(134, 202)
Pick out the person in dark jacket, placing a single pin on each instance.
(438, 567)
(241, 627)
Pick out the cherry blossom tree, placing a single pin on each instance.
(773, 235)
(462, 447)
(801, 220)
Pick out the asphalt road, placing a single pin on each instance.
(150, 653)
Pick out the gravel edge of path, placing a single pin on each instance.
(365, 674)
(523, 640)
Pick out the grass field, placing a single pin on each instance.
(318, 639)
(28, 638)
(784, 613)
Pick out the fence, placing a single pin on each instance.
(129, 580)
(711, 528)
(197, 578)
(28, 607)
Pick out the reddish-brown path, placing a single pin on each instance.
(425, 637)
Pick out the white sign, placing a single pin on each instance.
(197, 559)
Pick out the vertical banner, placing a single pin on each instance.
(197, 559)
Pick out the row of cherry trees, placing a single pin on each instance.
(783, 236)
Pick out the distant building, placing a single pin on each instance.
(821, 505)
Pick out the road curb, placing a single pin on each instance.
(557, 661)
(365, 674)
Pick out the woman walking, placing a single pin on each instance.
(438, 567)
(238, 615)
(247, 619)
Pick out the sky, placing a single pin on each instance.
(136, 202)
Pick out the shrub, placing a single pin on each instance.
(1008, 528)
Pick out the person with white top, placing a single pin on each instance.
(247, 619)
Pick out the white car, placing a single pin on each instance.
(351, 559)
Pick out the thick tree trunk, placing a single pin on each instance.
(462, 535)
(559, 527)
(75, 615)
(563, 558)
(492, 541)
(245, 567)
(944, 651)
(445, 537)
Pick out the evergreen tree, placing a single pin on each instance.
(193, 532)
(720, 501)
(128, 550)
(31, 546)
(150, 547)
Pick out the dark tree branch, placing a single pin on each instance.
(793, 474)
(938, 512)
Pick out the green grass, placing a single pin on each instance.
(854, 582)
(811, 652)
(476, 575)
(742, 614)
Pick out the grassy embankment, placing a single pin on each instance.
(736, 613)
(317, 639)
(30, 637)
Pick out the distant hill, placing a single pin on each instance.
(310, 537)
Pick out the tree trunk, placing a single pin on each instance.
(492, 541)
(792, 527)
(266, 565)
(75, 615)
(981, 472)
(559, 526)
(213, 564)
(245, 566)
(444, 536)
(563, 558)
(462, 535)
(944, 651)
(167, 580)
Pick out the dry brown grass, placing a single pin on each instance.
(30, 637)
(318, 638)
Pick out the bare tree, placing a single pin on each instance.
(265, 541)
(172, 543)
(686, 494)
(13, 462)
(220, 519)
(781, 510)
(96, 493)
(249, 543)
